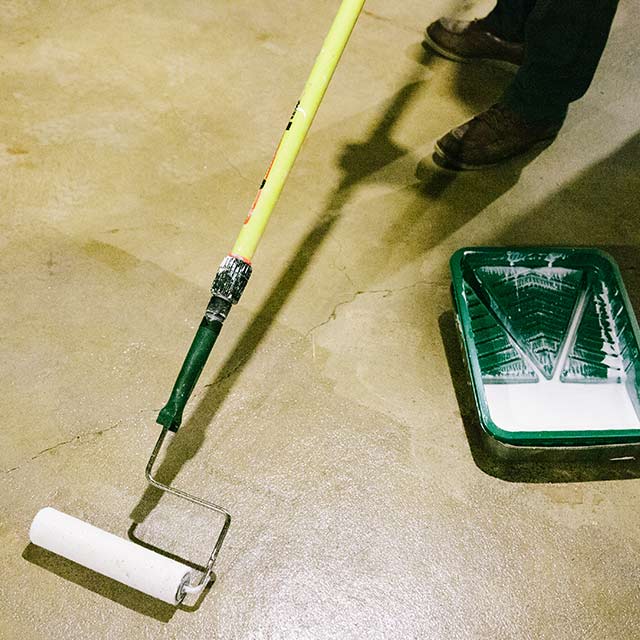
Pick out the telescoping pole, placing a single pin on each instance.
(235, 270)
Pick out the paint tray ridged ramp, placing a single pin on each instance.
(551, 343)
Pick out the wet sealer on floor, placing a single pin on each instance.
(551, 344)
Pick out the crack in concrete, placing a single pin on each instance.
(233, 166)
(393, 22)
(241, 363)
(334, 262)
(77, 438)
(344, 272)
(356, 294)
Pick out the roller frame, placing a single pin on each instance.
(197, 588)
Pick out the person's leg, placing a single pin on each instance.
(508, 18)
(564, 40)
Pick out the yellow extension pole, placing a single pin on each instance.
(296, 130)
(235, 270)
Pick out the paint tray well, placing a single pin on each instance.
(551, 343)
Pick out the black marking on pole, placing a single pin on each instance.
(293, 115)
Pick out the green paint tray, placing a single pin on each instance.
(551, 344)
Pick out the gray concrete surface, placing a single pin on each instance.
(331, 421)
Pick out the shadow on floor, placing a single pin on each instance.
(599, 204)
(447, 198)
(477, 84)
(98, 583)
(357, 163)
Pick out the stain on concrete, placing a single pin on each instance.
(110, 255)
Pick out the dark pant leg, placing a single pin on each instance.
(564, 40)
(508, 18)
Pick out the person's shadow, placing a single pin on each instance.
(360, 162)
(445, 198)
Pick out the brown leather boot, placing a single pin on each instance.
(493, 136)
(464, 41)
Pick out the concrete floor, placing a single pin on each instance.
(332, 421)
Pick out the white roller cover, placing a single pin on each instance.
(110, 555)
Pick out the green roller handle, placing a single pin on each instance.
(171, 415)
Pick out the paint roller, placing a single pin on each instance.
(140, 568)
(114, 557)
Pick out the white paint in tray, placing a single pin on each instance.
(554, 405)
(561, 406)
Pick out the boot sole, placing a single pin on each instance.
(458, 165)
(429, 43)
